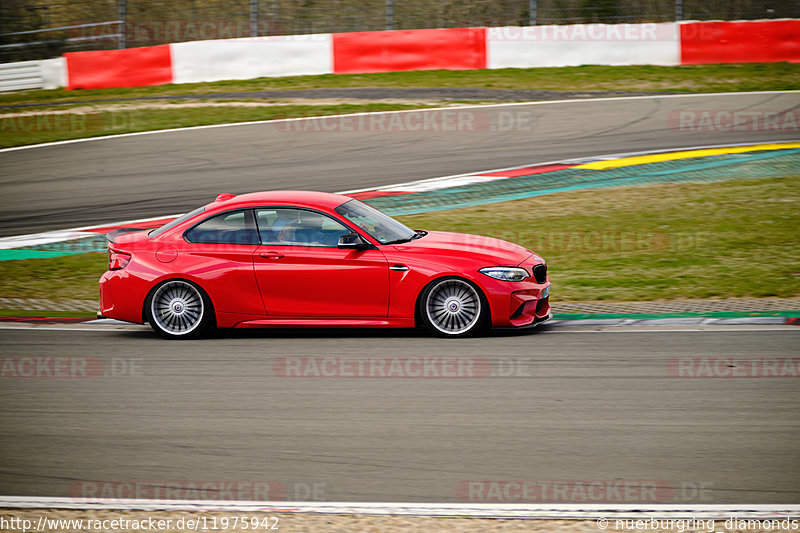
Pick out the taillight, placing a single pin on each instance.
(117, 260)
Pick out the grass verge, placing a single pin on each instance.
(687, 78)
(726, 239)
(55, 278)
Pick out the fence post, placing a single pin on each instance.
(122, 17)
(678, 10)
(253, 18)
(533, 7)
(389, 14)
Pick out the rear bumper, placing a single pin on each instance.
(106, 297)
(117, 300)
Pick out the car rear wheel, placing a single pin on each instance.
(178, 309)
(452, 307)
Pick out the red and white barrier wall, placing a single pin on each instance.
(757, 41)
(241, 59)
(583, 44)
(686, 43)
(390, 51)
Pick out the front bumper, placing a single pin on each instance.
(519, 304)
(536, 322)
(530, 309)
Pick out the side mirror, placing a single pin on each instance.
(352, 241)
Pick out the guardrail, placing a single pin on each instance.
(21, 75)
(42, 74)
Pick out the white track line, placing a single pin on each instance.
(492, 510)
(479, 106)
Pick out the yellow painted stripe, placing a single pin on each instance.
(671, 156)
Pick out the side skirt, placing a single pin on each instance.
(286, 322)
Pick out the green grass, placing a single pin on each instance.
(56, 278)
(18, 131)
(727, 239)
(689, 78)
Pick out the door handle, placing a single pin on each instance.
(399, 268)
(271, 255)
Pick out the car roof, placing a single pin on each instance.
(316, 199)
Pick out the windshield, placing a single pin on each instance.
(168, 225)
(381, 227)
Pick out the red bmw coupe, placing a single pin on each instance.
(298, 258)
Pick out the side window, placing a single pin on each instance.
(298, 227)
(227, 228)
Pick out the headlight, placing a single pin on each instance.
(505, 273)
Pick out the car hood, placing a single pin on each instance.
(490, 250)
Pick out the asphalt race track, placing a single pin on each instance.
(575, 406)
(97, 182)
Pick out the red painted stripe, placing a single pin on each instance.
(391, 51)
(132, 67)
(740, 42)
(374, 194)
(527, 171)
(143, 225)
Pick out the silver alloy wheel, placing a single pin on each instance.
(177, 307)
(453, 306)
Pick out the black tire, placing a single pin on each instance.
(178, 309)
(453, 307)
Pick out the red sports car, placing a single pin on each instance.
(296, 258)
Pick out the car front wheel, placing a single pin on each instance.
(178, 309)
(452, 307)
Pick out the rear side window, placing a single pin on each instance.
(237, 227)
